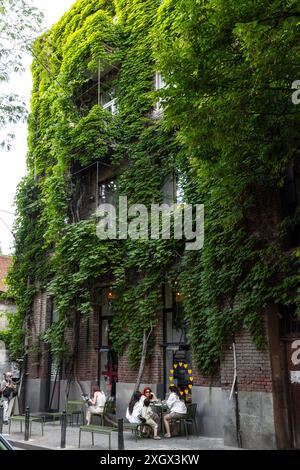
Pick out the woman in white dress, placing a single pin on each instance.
(134, 408)
(96, 403)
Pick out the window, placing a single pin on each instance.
(111, 106)
(177, 357)
(179, 193)
(105, 333)
(172, 190)
(289, 322)
(108, 100)
(159, 81)
(107, 192)
(290, 204)
(169, 189)
(159, 85)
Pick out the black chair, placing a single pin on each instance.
(187, 419)
(191, 418)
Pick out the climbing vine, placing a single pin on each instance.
(215, 135)
(70, 131)
(228, 97)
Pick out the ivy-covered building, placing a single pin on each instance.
(89, 309)
(7, 307)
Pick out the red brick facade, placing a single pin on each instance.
(153, 372)
(205, 381)
(5, 262)
(88, 362)
(38, 358)
(253, 366)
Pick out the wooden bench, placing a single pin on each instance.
(21, 420)
(93, 429)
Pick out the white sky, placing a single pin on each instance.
(12, 163)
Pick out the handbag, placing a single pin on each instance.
(7, 392)
(140, 417)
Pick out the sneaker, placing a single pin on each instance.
(157, 438)
(168, 436)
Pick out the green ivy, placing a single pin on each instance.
(226, 134)
(229, 67)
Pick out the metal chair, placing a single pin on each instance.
(188, 418)
(75, 408)
(108, 408)
(191, 418)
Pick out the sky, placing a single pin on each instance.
(13, 163)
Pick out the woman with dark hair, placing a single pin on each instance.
(177, 408)
(134, 408)
(96, 403)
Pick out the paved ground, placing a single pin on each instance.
(52, 435)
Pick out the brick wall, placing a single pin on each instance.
(253, 366)
(5, 262)
(201, 380)
(38, 361)
(87, 364)
(153, 372)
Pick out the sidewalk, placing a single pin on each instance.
(52, 435)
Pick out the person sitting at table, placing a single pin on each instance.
(149, 415)
(96, 403)
(177, 408)
(134, 408)
(147, 393)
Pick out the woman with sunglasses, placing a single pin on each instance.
(147, 393)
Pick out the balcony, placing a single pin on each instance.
(111, 106)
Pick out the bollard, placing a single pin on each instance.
(120, 435)
(27, 424)
(1, 418)
(63, 430)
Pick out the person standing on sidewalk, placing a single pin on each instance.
(7, 391)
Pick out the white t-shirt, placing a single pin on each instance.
(133, 417)
(176, 405)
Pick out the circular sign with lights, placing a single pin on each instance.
(184, 376)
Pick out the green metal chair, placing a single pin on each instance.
(75, 408)
(188, 419)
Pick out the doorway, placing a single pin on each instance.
(108, 358)
(177, 355)
(290, 338)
